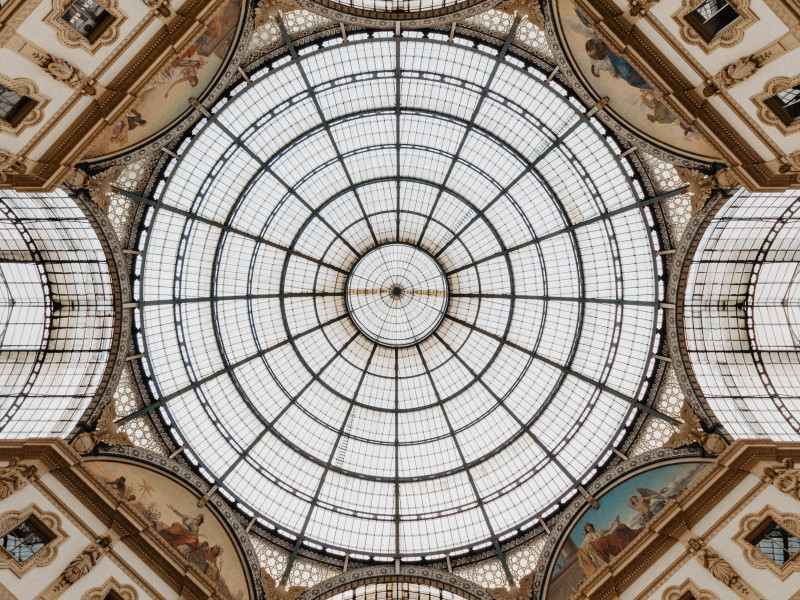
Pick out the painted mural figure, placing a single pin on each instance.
(648, 503)
(600, 546)
(183, 535)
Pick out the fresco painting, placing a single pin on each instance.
(635, 102)
(601, 534)
(167, 96)
(172, 512)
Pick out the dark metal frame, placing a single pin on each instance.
(640, 205)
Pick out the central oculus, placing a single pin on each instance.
(397, 295)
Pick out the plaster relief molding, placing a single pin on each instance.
(639, 8)
(58, 68)
(98, 186)
(765, 113)
(730, 36)
(11, 163)
(720, 569)
(163, 8)
(12, 15)
(688, 588)
(745, 67)
(752, 524)
(786, 479)
(701, 187)
(48, 522)
(106, 431)
(15, 476)
(123, 592)
(78, 567)
(266, 9)
(528, 8)
(72, 39)
(34, 114)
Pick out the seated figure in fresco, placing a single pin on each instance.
(183, 535)
(600, 546)
(648, 503)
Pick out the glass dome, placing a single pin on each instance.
(371, 12)
(398, 296)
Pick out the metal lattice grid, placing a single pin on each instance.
(455, 441)
(742, 310)
(57, 312)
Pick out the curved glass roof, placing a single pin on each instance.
(399, 10)
(519, 223)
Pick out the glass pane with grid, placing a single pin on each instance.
(25, 540)
(778, 544)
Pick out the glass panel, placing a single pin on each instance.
(778, 544)
(25, 540)
(11, 104)
(87, 17)
(429, 309)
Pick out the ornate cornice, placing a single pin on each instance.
(340, 11)
(681, 96)
(677, 518)
(60, 461)
(200, 487)
(620, 471)
(56, 162)
(388, 574)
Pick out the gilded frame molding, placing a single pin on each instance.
(753, 523)
(765, 113)
(688, 589)
(48, 521)
(72, 39)
(730, 36)
(111, 587)
(34, 114)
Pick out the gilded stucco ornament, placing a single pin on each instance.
(99, 185)
(60, 70)
(10, 164)
(690, 432)
(162, 8)
(274, 591)
(267, 9)
(106, 432)
(529, 8)
(720, 568)
(521, 591)
(639, 8)
(15, 477)
(78, 567)
(786, 478)
(701, 185)
(736, 72)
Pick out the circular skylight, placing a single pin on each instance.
(398, 296)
